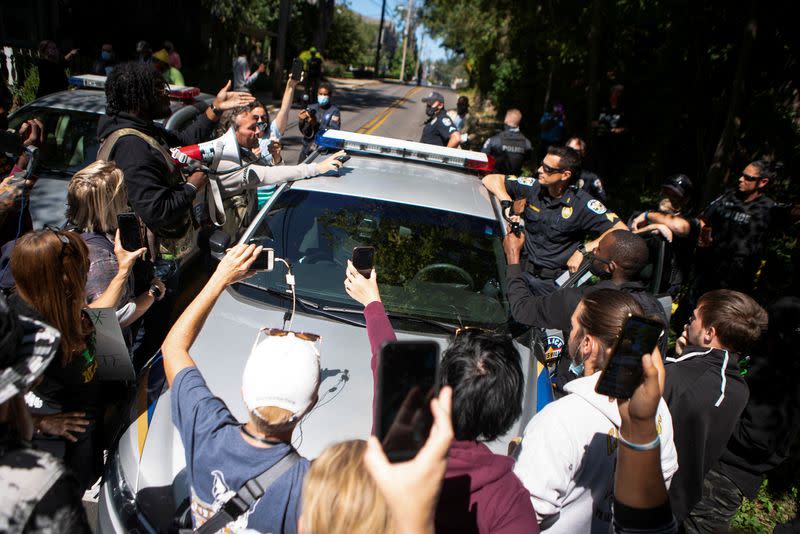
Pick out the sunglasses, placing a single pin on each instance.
(277, 332)
(65, 242)
(750, 178)
(261, 118)
(550, 170)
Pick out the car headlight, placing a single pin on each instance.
(123, 500)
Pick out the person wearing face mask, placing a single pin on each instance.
(619, 258)
(568, 451)
(438, 129)
(464, 122)
(105, 63)
(322, 115)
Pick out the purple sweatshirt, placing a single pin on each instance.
(480, 492)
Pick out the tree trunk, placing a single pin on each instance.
(719, 170)
(595, 34)
(324, 23)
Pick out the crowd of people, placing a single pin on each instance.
(712, 416)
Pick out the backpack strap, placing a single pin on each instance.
(107, 146)
(248, 494)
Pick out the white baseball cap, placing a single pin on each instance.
(282, 371)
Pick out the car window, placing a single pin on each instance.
(71, 137)
(431, 263)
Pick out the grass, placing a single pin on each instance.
(760, 515)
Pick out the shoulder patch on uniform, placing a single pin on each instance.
(611, 216)
(511, 178)
(446, 121)
(525, 180)
(566, 212)
(596, 206)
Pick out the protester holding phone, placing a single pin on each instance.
(485, 373)
(96, 203)
(566, 458)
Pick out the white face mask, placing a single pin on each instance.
(323, 100)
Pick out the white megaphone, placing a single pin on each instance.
(210, 153)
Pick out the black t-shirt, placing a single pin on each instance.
(438, 129)
(510, 150)
(554, 227)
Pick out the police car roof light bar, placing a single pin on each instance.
(94, 81)
(374, 144)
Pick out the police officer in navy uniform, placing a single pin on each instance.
(509, 148)
(322, 115)
(557, 217)
(439, 128)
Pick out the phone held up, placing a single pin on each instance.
(130, 233)
(265, 260)
(364, 260)
(297, 69)
(623, 372)
(408, 378)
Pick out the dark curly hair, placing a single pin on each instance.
(134, 87)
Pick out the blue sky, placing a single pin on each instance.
(431, 49)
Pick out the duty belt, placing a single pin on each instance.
(541, 272)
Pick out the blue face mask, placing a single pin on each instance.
(323, 100)
(105, 55)
(577, 369)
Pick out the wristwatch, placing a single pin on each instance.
(582, 249)
(215, 110)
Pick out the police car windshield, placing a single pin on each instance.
(431, 264)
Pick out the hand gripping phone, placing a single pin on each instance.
(364, 260)
(623, 371)
(130, 233)
(408, 378)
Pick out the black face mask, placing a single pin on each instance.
(430, 111)
(597, 268)
(462, 110)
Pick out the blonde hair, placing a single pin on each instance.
(95, 196)
(339, 495)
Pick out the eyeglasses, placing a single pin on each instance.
(750, 178)
(65, 242)
(550, 170)
(305, 336)
(261, 118)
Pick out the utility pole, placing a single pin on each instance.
(280, 57)
(405, 40)
(380, 39)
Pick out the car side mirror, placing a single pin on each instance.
(218, 243)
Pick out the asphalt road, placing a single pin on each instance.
(390, 109)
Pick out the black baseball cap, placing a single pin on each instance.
(433, 97)
(680, 185)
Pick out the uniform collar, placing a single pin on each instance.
(567, 199)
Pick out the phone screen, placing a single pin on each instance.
(623, 371)
(130, 234)
(407, 381)
(364, 260)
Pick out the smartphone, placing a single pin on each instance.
(623, 371)
(265, 260)
(130, 233)
(408, 378)
(342, 159)
(297, 69)
(364, 260)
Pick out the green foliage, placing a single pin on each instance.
(760, 515)
(352, 39)
(26, 92)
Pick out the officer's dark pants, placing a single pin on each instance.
(540, 286)
(721, 499)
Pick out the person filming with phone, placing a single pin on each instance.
(567, 455)
(321, 115)
(480, 491)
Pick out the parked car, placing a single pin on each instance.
(70, 124)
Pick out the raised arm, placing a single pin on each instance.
(282, 118)
(234, 267)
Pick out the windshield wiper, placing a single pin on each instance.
(449, 328)
(307, 305)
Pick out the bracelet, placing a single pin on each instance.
(646, 219)
(640, 446)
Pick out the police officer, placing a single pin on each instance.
(557, 217)
(439, 128)
(734, 230)
(670, 220)
(509, 148)
(321, 115)
(588, 181)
